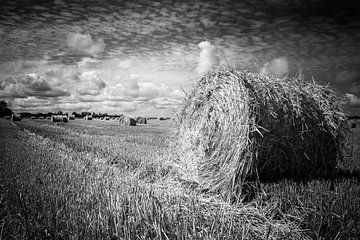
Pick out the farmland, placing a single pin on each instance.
(100, 180)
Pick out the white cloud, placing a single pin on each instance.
(165, 103)
(125, 64)
(207, 58)
(118, 107)
(278, 67)
(91, 84)
(87, 62)
(83, 43)
(352, 99)
(124, 84)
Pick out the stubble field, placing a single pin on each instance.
(99, 180)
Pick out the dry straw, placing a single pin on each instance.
(126, 120)
(236, 128)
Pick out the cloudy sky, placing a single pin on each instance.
(136, 56)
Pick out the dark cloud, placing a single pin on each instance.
(132, 27)
(30, 85)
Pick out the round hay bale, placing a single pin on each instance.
(56, 118)
(126, 120)
(64, 118)
(238, 128)
(141, 120)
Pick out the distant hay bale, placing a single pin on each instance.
(107, 118)
(126, 120)
(141, 120)
(56, 118)
(59, 118)
(15, 117)
(237, 128)
(160, 118)
(65, 118)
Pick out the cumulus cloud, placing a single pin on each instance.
(83, 43)
(135, 87)
(278, 67)
(207, 58)
(148, 95)
(91, 84)
(165, 103)
(61, 75)
(87, 62)
(352, 99)
(113, 106)
(125, 64)
(31, 85)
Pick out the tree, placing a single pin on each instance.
(4, 111)
(3, 104)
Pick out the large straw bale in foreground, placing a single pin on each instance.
(236, 128)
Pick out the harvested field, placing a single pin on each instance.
(98, 179)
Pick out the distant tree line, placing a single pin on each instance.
(5, 111)
(49, 114)
(354, 117)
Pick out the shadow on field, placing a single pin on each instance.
(338, 175)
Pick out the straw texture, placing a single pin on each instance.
(236, 128)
